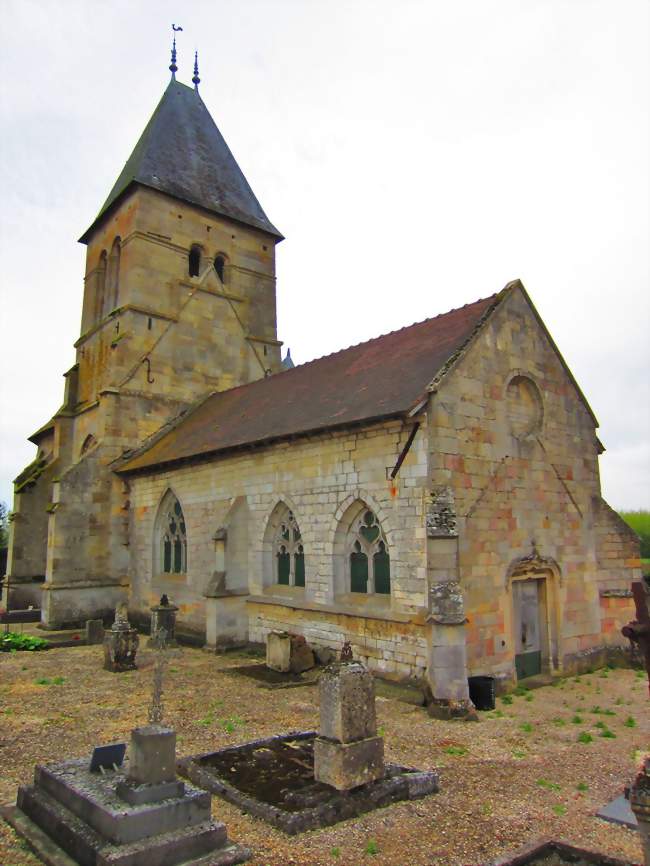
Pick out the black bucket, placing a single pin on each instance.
(482, 692)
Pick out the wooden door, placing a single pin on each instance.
(527, 620)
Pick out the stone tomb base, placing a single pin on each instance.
(72, 815)
(273, 779)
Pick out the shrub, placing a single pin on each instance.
(12, 642)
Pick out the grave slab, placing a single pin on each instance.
(273, 779)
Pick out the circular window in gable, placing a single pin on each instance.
(524, 404)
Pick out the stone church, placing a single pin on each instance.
(431, 495)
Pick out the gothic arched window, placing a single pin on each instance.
(194, 260)
(172, 537)
(368, 556)
(289, 553)
(220, 266)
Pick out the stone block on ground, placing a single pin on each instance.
(288, 653)
(278, 651)
(302, 657)
(324, 655)
(348, 765)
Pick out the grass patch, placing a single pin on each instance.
(609, 735)
(550, 786)
(335, 852)
(582, 786)
(526, 727)
(559, 809)
(600, 711)
(585, 737)
(518, 753)
(558, 721)
(576, 720)
(371, 847)
(630, 722)
(507, 699)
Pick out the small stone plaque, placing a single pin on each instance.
(107, 756)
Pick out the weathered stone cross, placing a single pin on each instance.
(163, 655)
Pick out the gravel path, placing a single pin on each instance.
(518, 774)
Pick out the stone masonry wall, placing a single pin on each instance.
(319, 479)
(617, 552)
(522, 465)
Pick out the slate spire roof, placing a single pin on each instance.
(182, 153)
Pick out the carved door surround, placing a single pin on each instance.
(534, 582)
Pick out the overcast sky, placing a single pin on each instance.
(417, 155)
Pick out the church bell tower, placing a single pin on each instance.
(179, 302)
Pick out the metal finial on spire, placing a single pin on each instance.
(172, 65)
(196, 79)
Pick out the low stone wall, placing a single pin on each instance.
(395, 649)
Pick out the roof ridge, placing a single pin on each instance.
(379, 337)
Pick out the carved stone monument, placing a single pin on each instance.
(120, 643)
(163, 616)
(347, 752)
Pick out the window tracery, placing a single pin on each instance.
(289, 552)
(369, 559)
(173, 538)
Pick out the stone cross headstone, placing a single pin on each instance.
(347, 751)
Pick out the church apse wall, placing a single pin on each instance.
(333, 488)
(515, 444)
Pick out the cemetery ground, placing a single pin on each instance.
(541, 764)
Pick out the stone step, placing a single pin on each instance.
(169, 849)
(69, 832)
(90, 797)
(202, 844)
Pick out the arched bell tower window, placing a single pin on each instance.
(220, 266)
(171, 536)
(88, 443)
(194, 260)
(369, 561)
(100, 285)
(113, 276)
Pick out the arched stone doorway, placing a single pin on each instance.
(533, 582)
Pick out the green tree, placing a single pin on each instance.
(639, 521)
(4, 525)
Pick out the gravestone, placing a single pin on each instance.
(94, 631)
(347, 752)
(120, 643)
(135, 813)
(163, 616)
